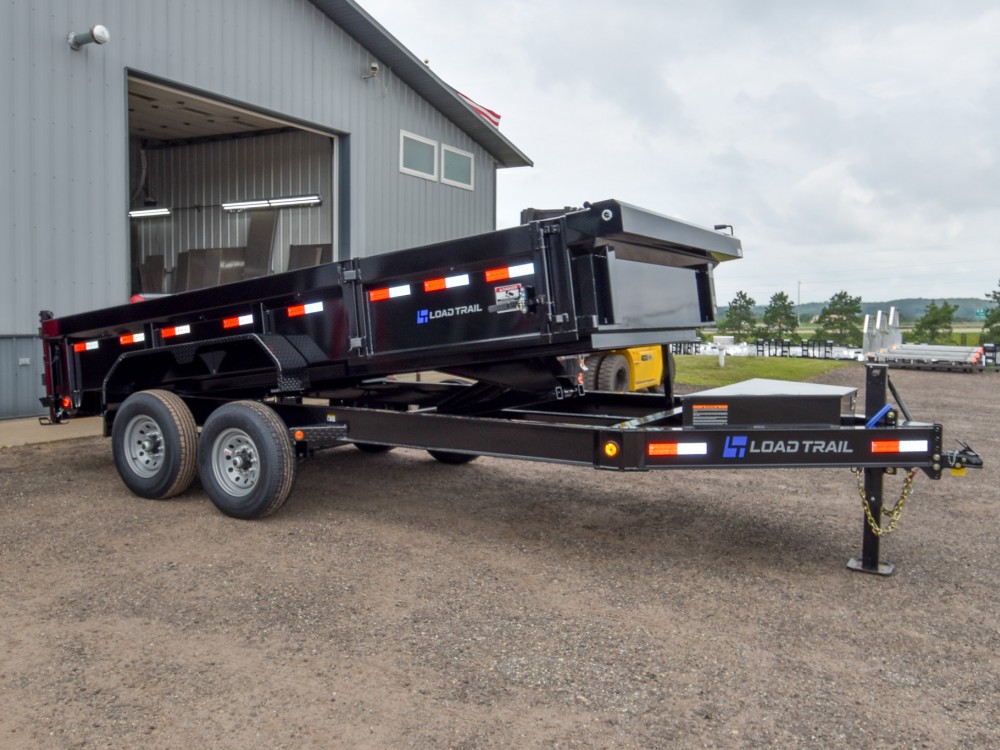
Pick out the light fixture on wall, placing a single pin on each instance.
(294, 200)
(145, 213)
(373, 72)
(98, 34)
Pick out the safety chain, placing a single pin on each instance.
(894, 512)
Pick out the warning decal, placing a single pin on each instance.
(709, 415)
(508, 297)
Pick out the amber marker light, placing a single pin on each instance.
(611, 449)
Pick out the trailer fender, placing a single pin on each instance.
(142, 369)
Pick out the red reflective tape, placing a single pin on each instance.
(899, 446)
(168, 333)
(447, 282)
(662, 449)
(80, 347)
(677, 449)
(497, 274)
(298, 310)
(240, 320)
(390, 292)
(885, 446)
(132, 338)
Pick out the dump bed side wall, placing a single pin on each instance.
(558, 286)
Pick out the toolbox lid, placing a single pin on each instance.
(768, 387)
(761, 401)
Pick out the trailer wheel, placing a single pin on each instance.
(613, 375)
(373, 447)
(154, 444)
(455, 459)
(245, 460)
(593, 363)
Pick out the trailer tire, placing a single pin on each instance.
(455, 459)
(154, 442)
(246, 460)
(373, 447)
(613, 375)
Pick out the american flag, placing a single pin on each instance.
(487, 114)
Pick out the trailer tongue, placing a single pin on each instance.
(498, 310)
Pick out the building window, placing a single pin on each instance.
(456, 167)
(417, 156)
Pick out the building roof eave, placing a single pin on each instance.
(353, 19)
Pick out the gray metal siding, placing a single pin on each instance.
(420, 211)
(196, 179)
(20, 376)
(64, 141)
(65, 148)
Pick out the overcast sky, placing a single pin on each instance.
(851, 143)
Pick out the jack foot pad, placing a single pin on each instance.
(883, 569)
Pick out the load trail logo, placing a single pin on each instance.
(738, 446)
(425, 316)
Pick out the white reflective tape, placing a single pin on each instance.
(525, 269)
(92, 345)
(245, 320)
(692, 449)
(312, 307)
(138, 338)
(453, 281)
(181, 330)
(399, 291)
(912, 446)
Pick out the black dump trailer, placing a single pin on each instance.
(275, 368)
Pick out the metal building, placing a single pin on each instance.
(161, 146)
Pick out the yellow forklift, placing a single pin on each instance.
(639, 368)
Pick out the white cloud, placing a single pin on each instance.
(852, 145)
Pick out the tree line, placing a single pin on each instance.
(841, 320)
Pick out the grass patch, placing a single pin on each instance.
(701, 370)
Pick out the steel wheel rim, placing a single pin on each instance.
(235, 462)
(144, 449)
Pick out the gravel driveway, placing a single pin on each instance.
(396, 602)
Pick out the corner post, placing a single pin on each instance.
(876, 397)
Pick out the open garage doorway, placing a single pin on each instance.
(220, 193)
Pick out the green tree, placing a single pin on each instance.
(780, 320)
(840, 320)
(991, 326)
(934, 327)
(740, 320)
